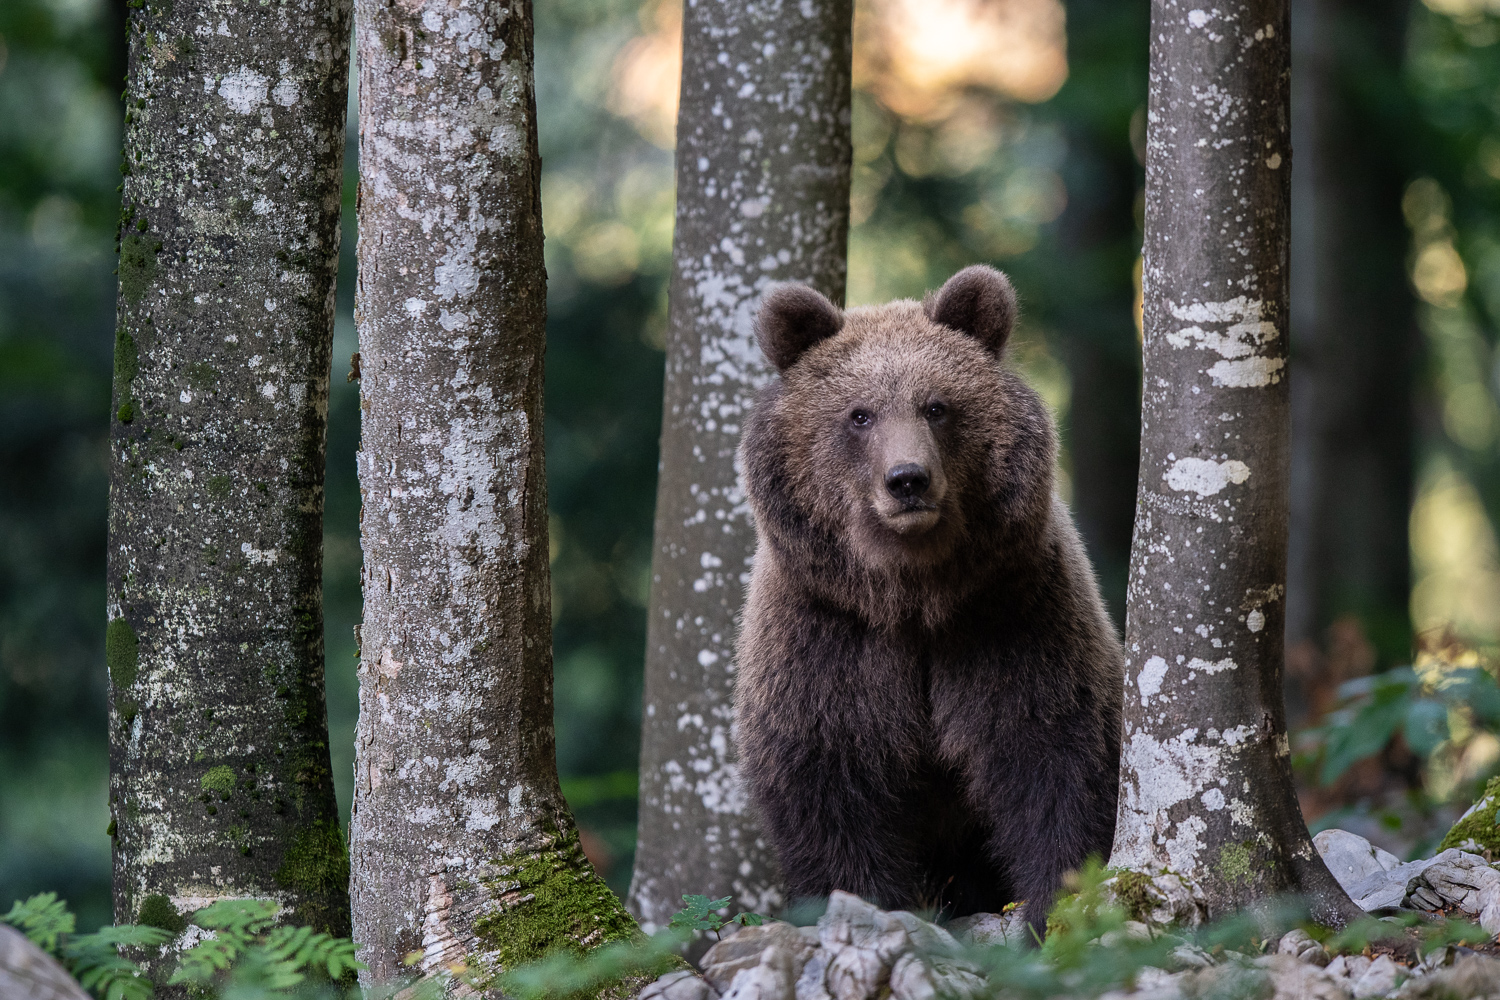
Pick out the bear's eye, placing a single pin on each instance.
(936, 410)
(860, 418)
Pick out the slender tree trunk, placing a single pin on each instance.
(763, 159)
(220, 782)
(1091, 289)
(1206, 782)
(463, 847)
(1354, 336)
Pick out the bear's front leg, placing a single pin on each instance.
(1038, 772)
(835, 821)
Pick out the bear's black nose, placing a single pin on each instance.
(904, 482)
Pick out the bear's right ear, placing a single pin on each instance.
(791, 319)
(979, 301)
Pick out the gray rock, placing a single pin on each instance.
(1379, 979)
(1424, 898)
(856, 973)
(1352, 858)
(1349, 967)
(1489, 909)
(1170, 899)
(1301, 946)
(1456, 878)
(29, 973)
(810, 985)
(748, 948)
(1293, 979)
(1470, 977)
(681, 985)
(985, 929)
(917, 977)
(775, 978)
(1388, 890)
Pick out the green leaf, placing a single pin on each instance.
(698, 914)
(1425, 726)
(43, 919)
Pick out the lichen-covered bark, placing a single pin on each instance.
(763, 158)
(234, 138)
(1205, 775)
(463, 848)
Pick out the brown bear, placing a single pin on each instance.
(929, 688)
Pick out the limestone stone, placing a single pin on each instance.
(746, 949)
(1379, 979)
(680, 985)
(28, 973)
(1292, 979)
(1301, 946)
(1470, 977)
(1352, 858)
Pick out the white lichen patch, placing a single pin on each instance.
(244, 90)
(1247, 373)
(1211, 667)
(1205, 477)
(1150, 680)
(1236, 329)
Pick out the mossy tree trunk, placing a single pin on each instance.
(463, 847)
(1206, 782)
(234, 138)
(763, 160)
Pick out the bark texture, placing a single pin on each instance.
(463, 847)
(1354, 336)
(763, 159)
(1205, 773)
(220, 783)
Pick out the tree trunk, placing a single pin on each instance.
(220, 781)
(1205, 774)
(763, 160)
(463, 848)
(1354, 336)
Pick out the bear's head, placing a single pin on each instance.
(896, 440)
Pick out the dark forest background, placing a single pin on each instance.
(1007, 131)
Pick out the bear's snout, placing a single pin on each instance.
(908, 481)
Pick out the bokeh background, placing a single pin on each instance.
(1007, 131)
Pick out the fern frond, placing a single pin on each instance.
(43, 919)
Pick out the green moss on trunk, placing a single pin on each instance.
(316, 867)
(1477, 832)
(121, 653)
(157, 911)
(552, 900)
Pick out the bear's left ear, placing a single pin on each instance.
(979, 301)
(791, 319)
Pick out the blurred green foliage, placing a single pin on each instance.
(1048, 191)
(245, 956)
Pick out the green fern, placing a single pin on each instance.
(43, 919)
(95, 960)
(247, 956)
(92, 959)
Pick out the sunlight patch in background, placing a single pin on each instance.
(1455, 559)
(918, 57)
(1455, 555)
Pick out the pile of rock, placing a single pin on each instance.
(859, 952)
(1455, 882)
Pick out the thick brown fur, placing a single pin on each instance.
(928, 702)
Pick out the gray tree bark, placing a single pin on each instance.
(1205, 773)
(463, 847)
(1354, 335)
(220, 783)
(763, 160)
